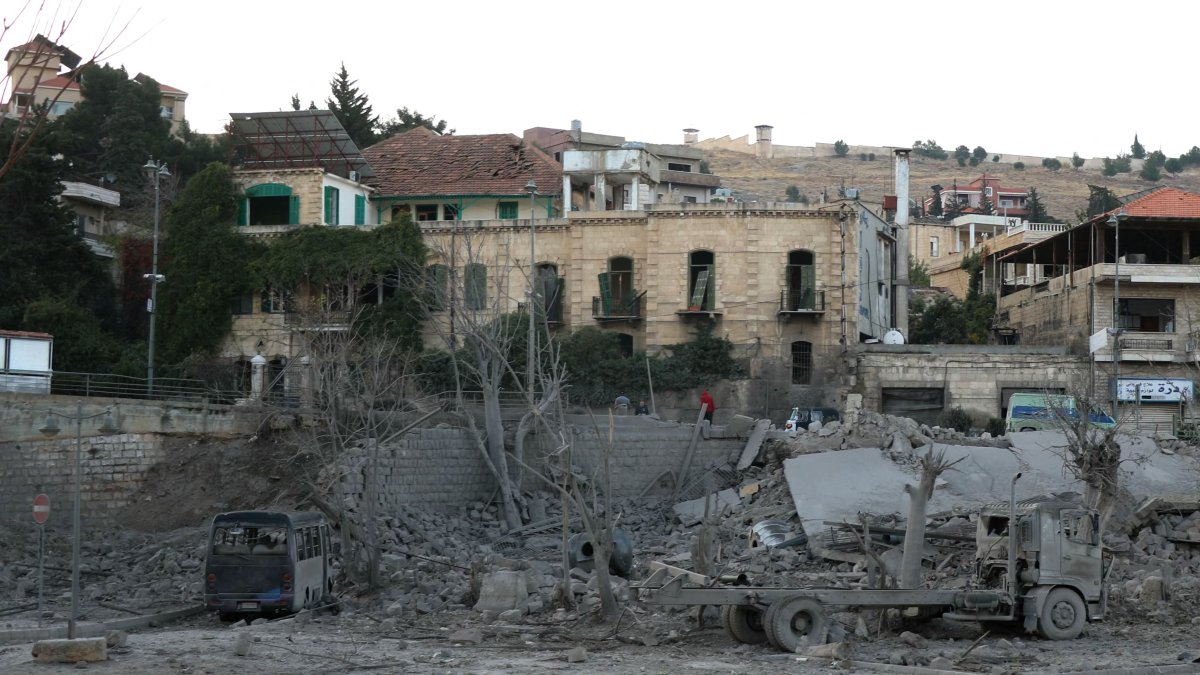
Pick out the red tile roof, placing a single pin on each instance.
(418, 162)
(59, 82)
(1165, 202)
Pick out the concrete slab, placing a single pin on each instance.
(739, 426)
(691, 512)
(838, 485)
(754, 444)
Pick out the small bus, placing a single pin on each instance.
(1039, 412)
(266, 562)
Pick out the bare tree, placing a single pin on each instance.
(933, 464)
(44, 29)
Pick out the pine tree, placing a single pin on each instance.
(1036, 209)
(352, 109)
(935, 207)
(1137, 150)
(406, 119)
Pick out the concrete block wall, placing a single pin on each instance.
(113, 470)
(442, 468)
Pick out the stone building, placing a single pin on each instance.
(1124, 287)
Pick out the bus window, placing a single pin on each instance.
(237, 540)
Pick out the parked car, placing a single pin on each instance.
(802, 417)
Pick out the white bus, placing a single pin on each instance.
(266, 562)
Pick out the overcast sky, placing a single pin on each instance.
(1038, 78)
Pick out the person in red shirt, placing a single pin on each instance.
(706, 399)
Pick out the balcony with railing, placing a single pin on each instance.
(628, 309)
(91, 194)
(801, 301)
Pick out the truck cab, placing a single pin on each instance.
(1058, 546)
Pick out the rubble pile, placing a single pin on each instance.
(1156, 573)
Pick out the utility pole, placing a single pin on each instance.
(156, 170)
(531, 188)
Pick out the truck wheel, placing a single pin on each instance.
(1028, 429)
(744, 623)
(1063, 615)
(793, 618)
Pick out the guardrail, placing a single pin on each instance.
(122, 386)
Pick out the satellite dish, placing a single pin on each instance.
(893, 337)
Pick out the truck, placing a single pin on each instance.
(1045, 579)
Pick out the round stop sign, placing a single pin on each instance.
(41, 509)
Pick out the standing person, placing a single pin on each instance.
(707, 400)
(622, 405)
(641, 408)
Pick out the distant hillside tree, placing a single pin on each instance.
(1076, 160)
(1173, 165)
(1137, 150)
(1019, 166)
(1121, 164)
(985, 205)
(930, 149)
(935, 207)
(793, 193)
(1052, 163)
(1036, 209)
(1150, 172)
(840, 148)
(961, 154)
(352, 108)
(979, 154)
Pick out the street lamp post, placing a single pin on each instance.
(50, 429)
(156, 170)
(1115, 221)
(531, 188)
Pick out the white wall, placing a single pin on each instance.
(347, 189)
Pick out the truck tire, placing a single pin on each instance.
(744, 623)
(1063, 616)
(790, 619)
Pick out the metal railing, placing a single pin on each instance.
(801, 300)
(121, 386)
(1163, 344)
(629, 309)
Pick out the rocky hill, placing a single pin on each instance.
(1063, 191)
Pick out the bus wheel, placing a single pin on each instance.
(1063, 615)
(793, 618)
(744, 623)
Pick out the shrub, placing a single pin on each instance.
(995, 158)
(1019, 166)
(841, 148)
(871, 156)
(1150, 172)
(955, 418)
(1173, 165)
(1076, 160)
(1052, 163)
(862, 156)
(930, 149)
(995, 426)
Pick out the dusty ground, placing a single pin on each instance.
(359, 644)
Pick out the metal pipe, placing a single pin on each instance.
(1012, 539)
(532, 351)
(901, 284)
(1116, 322)
(75, 530)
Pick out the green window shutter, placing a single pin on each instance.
(360, 210)
(330, 205)
(294, 210)
(605, 293)
(244, 211)
(507, 210)
(476, 286)
(808, 286)
(699, 292)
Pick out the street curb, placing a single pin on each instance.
(1175, 669)
(97, 629)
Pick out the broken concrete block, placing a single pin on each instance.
(501, 591)
(116, 638)
(739, 426)
(511, 616)
(576, 655)
(754, 444)
(241, 647)
(87, 650)
(913, 640)
(467, 636)
(941, 663)
(831, 650)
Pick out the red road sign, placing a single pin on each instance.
(41, 509)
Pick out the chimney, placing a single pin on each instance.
(690, 136)
(576, 125)
(762, 138)
(900, 296)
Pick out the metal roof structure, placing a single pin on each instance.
(294, 139)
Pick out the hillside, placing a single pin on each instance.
(1063, 191)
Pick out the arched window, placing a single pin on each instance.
(269, 204)
(801, 281)
(550, 291)
(802, 363)
(702, 288)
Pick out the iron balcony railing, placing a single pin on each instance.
(120, 386)
(800, 300)
(1161, 344)
(630, 308)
